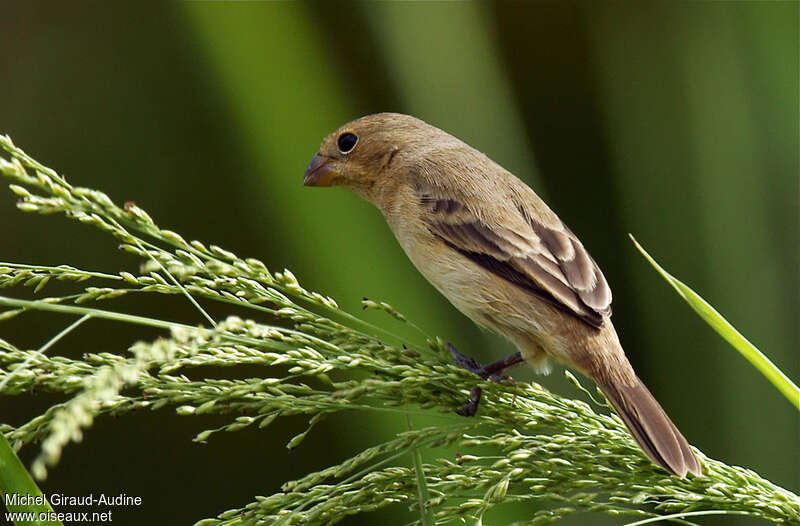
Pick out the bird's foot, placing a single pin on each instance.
(465, 362)
(491, 371)
(471, 407)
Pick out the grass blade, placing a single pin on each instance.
(15, 481)
(422, 487)
(729, 333)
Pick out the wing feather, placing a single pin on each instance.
(547, 261)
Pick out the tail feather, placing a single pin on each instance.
(651, 427)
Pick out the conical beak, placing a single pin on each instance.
(319, 172)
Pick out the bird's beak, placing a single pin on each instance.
(320, 171)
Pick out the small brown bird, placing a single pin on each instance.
(492, 247)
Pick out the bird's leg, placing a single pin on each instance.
(490, 371)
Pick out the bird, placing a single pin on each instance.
(489, 244)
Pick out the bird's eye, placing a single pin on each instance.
(346, 142)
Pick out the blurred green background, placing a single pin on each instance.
(675, 121)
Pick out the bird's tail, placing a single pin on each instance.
(649, 425)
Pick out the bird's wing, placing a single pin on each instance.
(544, 259)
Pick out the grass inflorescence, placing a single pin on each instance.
(558, 455)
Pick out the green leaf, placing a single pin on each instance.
(17, 485)
(729, 333)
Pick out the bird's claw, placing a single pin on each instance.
(471, 407)
(465, 362)
(490, 372)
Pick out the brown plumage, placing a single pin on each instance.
(491, 246)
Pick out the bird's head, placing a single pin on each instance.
(367, 155)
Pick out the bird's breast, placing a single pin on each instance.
(457, 278)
